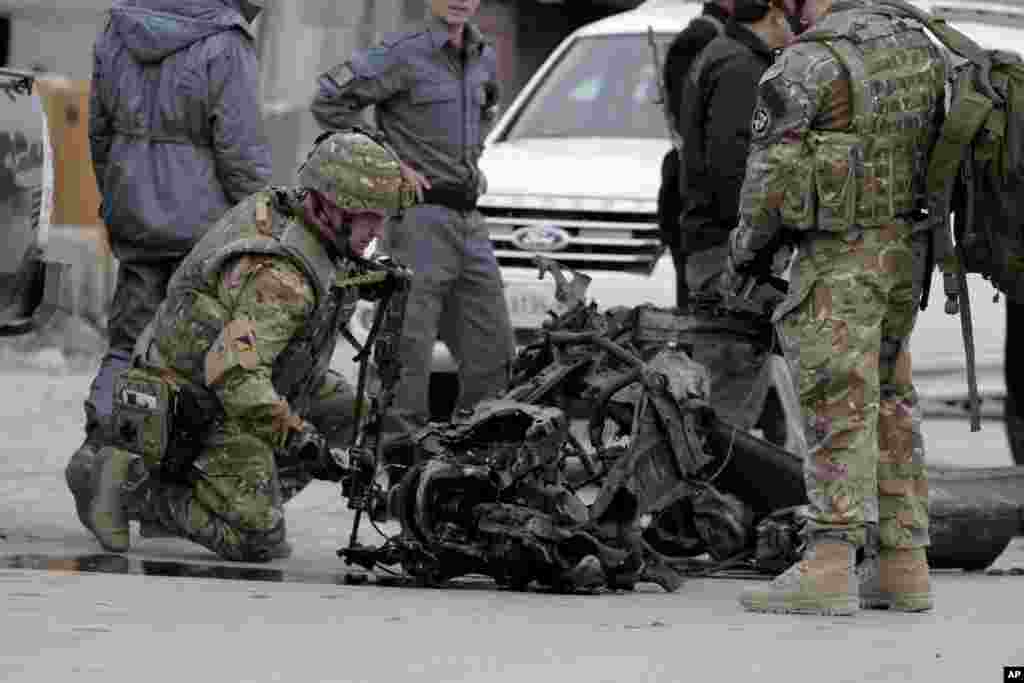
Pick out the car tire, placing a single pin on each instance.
(973, 515)
(1013, 368)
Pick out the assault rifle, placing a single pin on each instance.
(389, 283)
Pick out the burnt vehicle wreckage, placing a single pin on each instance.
(674, 490)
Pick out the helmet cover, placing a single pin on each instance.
(356, 172)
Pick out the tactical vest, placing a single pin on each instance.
(874, 171)
(261, 224)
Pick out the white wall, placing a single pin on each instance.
(299, 42)
(58, 41)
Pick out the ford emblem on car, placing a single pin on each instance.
(541, 238)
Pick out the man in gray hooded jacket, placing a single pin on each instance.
(176, 138)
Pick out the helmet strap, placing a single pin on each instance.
(330, 223)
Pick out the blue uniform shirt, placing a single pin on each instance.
(432, 104)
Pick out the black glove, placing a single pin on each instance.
(305, 447)
(733, 277)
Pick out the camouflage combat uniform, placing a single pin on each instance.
(236, 328)
(241, 296)
(840, 159)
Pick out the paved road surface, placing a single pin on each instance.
(301, 623)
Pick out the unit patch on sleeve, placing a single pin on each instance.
(760, 121)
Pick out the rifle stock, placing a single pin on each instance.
(951, 259)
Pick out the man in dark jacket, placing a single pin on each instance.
(176, 138)
(718, 100)
(681, 53)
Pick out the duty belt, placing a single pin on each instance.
(159, 137)
(455, 197)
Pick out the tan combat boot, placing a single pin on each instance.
(119, 486)
(824, 582)
(897, 580)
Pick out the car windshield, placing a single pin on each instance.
(602, 86)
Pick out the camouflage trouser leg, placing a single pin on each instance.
(851, 332)
(236, 508)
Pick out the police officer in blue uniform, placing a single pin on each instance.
(435, 94)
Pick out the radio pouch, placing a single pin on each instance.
(143, 413)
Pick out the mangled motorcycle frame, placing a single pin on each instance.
(500, 490)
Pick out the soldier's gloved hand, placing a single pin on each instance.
(732, 278)
(737, 259)
(305, 445)
(729, 283)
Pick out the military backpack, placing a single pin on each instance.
(975, 177)
(976, 169)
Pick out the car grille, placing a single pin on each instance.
(595, 241)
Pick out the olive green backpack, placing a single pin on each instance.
(975, 175)
(976, 169)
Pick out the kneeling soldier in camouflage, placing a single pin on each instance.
(236, 361)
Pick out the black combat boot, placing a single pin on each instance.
(78, 474)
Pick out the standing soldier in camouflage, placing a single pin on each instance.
(842, 131)
(176, 138)
(435, 94)
(244, 339)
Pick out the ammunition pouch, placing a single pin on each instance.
(842, 181)
(162, 421)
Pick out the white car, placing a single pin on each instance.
(573, 169)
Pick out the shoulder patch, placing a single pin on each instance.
(378, 55)
(243, 267)
(235, 347)
(280, 285)
(774, 71)
(773, 97)
(760, 121)
(373, 62)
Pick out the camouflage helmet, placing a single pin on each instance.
(355, 172)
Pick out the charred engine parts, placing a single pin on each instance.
(499, 490)
(488, 492)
